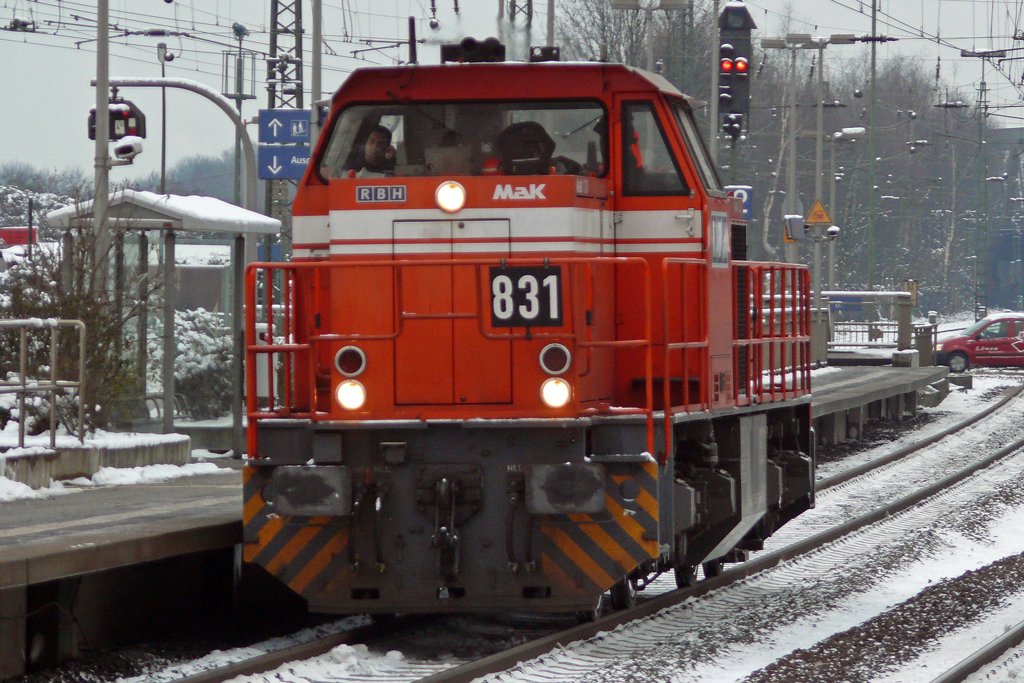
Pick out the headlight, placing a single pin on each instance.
(555, 392)
(351, 395)
(450, 196)
(555, 359)
(350, 361)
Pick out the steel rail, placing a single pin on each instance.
(501, 661)
(854, 472)
(986, 655)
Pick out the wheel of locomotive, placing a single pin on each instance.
(586, 616)
(686, 576)
(712, 568)
(624, 594)
(958, 362)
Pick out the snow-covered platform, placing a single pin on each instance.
(81, 553)
(845, 398)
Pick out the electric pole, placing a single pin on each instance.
(981, 226)
(284, 89)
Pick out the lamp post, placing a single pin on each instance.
(844, 135)
(792, 42)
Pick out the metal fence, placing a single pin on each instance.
(23, 385)
(870, 320)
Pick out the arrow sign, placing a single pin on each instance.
(818, 215)
(282, 162)
(284, 126)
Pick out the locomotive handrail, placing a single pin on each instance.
(700, 345)
(308, 365)
(787, 333)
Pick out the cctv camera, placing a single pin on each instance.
(434, 24)
(128, 147)
(833, 231)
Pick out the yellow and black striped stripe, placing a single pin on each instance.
(304, 555)
(587, 553)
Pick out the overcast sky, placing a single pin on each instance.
(46, 76)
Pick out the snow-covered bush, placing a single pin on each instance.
(203, 360)
(51, 285)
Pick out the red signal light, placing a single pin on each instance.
(726, 66)
(741, 65)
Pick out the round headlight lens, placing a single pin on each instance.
(351, 394)
(450, 196)
(350, 361)
(555, 359)
(555, 392)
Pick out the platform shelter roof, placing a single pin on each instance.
(141, 210)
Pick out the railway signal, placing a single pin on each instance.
(125, 119)
(734, 50)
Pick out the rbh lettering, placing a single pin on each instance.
(380, 193)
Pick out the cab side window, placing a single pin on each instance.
(648, 166)
(996, 330)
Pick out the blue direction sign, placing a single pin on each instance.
(746, 194)
(282, 162)
(284, 125)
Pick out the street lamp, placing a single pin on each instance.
(792, 42)
(845, 135)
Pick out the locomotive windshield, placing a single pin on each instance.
(695, 145)
(467, 138)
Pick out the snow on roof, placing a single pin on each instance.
(148, 209)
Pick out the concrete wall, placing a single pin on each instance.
(38, 469)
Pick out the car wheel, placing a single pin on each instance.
(958, 362)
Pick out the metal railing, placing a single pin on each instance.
(873, 326)
(287, 340)
(24, 386)
(293, 357)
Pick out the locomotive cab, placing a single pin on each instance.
(519, 357)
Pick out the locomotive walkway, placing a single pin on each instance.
(48, 545)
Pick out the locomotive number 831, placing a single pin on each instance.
(518, 358)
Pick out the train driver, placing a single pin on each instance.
(378, 157)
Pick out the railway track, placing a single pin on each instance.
(799, 543)
(981, 661)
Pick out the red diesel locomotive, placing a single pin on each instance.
(518, 358)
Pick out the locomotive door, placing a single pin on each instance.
(444, 360)
(660, 215)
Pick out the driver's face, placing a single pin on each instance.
(376, 147)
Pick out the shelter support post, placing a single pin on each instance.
(170, 303)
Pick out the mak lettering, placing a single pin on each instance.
(531, 191)
(380, 193)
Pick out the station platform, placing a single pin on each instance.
(51, 543)
(845, 398)
(86, 552)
